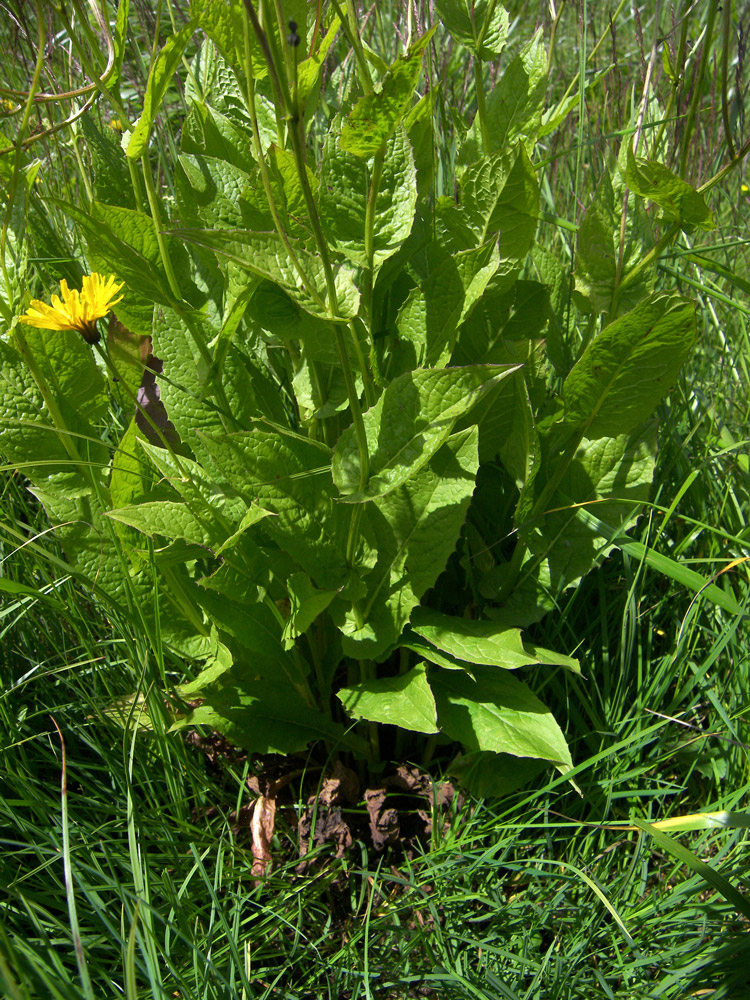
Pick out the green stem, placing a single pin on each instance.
(484, 127)
(632, 276)
(368, 278)
(351, 29)
(266, 180)
(153, 202)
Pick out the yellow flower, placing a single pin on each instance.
(77, 310)
(115, 124)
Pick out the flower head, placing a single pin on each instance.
(77, 310)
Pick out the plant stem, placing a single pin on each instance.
(153, 202)
(484, 127)
(351, 29)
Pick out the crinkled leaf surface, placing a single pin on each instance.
(432, 312)
(598, 250)
(501, 198)
(411, 420)
(514, 106)
(288, 475)
(344, 186)
(265, 717)
(596, 500)
(465, 20)
(264, 254)
(412, 531)
(679, 201)
(375, 116)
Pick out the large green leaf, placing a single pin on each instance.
(465, 20)
(209, 133)
(597, 498)
(500, 196)
(29, 439)
(628, 369)
(679, 201)
(432, 312)
(409, 423)
(160, 76)
(405, 701)
(306, 603)
(375, 116)
(193, 400)
(219, 193)
(497, 712)
(344, 186)
(412, 532)
(224, 24)
(288, 475)
(482, 641)
(111, 179)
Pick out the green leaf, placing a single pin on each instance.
(130, 479)
(432, 312)
(405, 701)
(412, 531)
(119, 42)
(123, 242)
(264, 254)
(209, 133)
(599, 495)
(193, 400)
(288, 475)
(219, 193)
(500, 195)
(598, 251)
(172, 519)
(465, 20)
(223, 23)
(408, 424)
(307, 602)
(628, 369)
(482, 642)
(111, 180)
(29, 440)
(679, 201)
(310, 70)
(497, 712)
(159, 77)
(375, 116)
(344, 186)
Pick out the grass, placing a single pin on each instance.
(137, 880)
